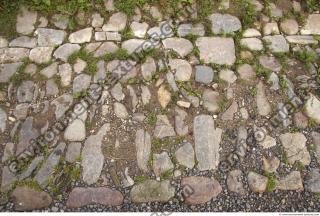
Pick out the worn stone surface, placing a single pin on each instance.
(92, 157)
(41, 55)
(117, 22)
(204, 74)
(180, 45)
(199, 190)
(64, 51)
(234, 182)
(254, 44)
(143, 149)
(312, 184)
(224, 23)
(9, 55)
(270, 165)
(292, 181)
(211, 100)
(76, 131)
(180, 126)
(277, 43)
(3, 120)
(50, 37)
(257, 183)
(44, 173)
(26, 20)
(207, 142)
(185, 155)
(80, 197)
(163, 127)
(246, 72)
(182, 69)
(26, 134)
(26, 199)
(152, 191)
(312, 25)
(81, 36)
(161, 163)
(263, 104)
(23, 41)
(294, 145)
(216, 50)
(312, 108)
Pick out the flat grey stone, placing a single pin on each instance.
(81, 83)
(276, 43)
(180, 45)
(73, 151)
(62, 104)
(181, 68)
(133, 45)
(211, 100)
(50, 70)
(120, 110)
(25, 92)
(270, 63)
(3, 120)
(246, 72)
(105, 48)
(204, 74)
(100, 36)
(65, 72)
(161, 163)
(294, 145)
(312, 108)
(10, 55)
(163, 127)
(117, 22)
(180, 126)
(292, 181)
(234, 182)
(97, 20)
(76, 131)
(316, 142)
(301, 39)
(92, 156)
(152, 191)
(51, 88)
(228, 76)
(113, 36)
(145, 95)
(117, 92)
(274, 80)
(216, 50)
(224, 23)
(139, 29)
(60, 21)
(143, 149)
(312, 184)
(228, 115)
(271, 28)
(8, 70)
(79, 66)
(31, 168)
(253, 44)
(263, 105)
(64, 51)
(289, 26)
(251, 32)
(41, 55)
(8, 151)
(190, 29)
(23, 41)
(21, 111)
(312, 25)
(50, 37)
(7, 179)
(148, 68)
(207, 140)
(185, 155)
(26, 134)
(81, 36)
(123, 69)
(257, 183)
(49, 165)
(3, 42)
(25, 21)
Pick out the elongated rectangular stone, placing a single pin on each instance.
(207, 141)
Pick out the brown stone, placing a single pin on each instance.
(199, 190)
(101, 195)
(26, 199)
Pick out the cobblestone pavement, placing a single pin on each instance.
(108, 111)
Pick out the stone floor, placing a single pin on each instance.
(146, 113)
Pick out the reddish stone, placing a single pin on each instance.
(85, 196)
(199, 190)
